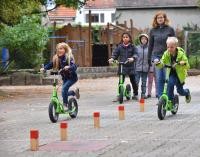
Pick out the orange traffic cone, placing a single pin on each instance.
(121, 112)
(141, 105)
(63, 131)
(34, 141)
(96, 116)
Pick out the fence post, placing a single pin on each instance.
(131, 23)
(53, 45)
(89, 58)
(108, 40)
(185, 40)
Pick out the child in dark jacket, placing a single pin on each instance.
(126, 51)
(142, 66)
(63, 59)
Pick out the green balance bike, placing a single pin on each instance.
(122, 91)
(56, 107)
(164, 104)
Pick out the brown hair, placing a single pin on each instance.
(68, 55)
(130, 37)
(155, 24)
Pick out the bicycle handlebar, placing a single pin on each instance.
(54, 73)
(170, 66)
(58, 72)
(117, 62)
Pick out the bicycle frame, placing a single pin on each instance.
(58, 105)
(54, 98)
(168, 106)
(121, 81)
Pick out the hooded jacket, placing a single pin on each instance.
(142, 60)
(122, 53)
(157, 40)
(181, 70)
(69, 74)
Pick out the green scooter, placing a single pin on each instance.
(122, 91)
(56, 107)
(164, 104)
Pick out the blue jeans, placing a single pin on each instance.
(174, 81)
(160, 80)
(160, 77)
(143, 76)
(65, 89)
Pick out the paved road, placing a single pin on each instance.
(140, 134)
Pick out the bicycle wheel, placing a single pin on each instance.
(176, 104)
(53, 116)
(161, 108)
(128, 91)
(73, 107)
(121, 94)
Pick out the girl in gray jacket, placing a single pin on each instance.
(142, 66)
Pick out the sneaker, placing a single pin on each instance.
(135, 97)
(116, 99)
(143, 96)
(188, 97)
(149, 96)
(77, 94)
(65, 107)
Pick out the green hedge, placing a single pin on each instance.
(194, 61)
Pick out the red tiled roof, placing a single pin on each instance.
(100, 4)
(63, 12)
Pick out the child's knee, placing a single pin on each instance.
(65, 88)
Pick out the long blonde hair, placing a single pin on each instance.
(166, 22)
(68, 55)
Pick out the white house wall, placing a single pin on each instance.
(81, 15)
(142, 18)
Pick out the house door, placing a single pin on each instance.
(100, 55)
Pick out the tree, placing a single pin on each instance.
(12, 10)
(25, 41)
(21, 31)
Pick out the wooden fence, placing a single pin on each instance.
(78, 39)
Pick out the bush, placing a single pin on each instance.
(194, 61)
(25, 42)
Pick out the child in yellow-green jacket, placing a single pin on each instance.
(177, 75)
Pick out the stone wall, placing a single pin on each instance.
(28, 78)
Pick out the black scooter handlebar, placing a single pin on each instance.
(170, 66)
(122, 63)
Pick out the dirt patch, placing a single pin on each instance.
(12, 92)
(3, 95)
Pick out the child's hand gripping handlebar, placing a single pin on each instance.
(157, 61)
(111, 61)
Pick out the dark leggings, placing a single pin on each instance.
(133, 82)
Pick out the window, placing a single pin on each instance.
(94, 18)
(113, 17)
(102, 17)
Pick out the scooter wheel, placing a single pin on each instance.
(73, 105)
(176, 104)
(128, 91)
(53, 116)
(161, 108)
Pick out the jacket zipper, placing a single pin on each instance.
(142, 58)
